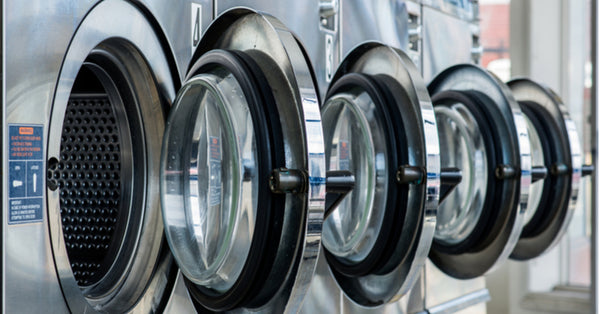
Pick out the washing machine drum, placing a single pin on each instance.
(243, 123)
(554, 149)
(482, 132)
(379, 125)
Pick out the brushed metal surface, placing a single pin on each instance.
(174, 19)
(302, 18)
(40, 67)
(384, 21)
(179, 302)
(35, 38)
(466, 10)
(447, 40)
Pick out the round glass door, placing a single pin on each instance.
(554, 149)
(378, 124)
(235, 125)
(484, 134)
(463, 147)
(212, 235)
(354, 143)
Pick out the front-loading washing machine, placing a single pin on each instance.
(241, 178)
(86, 86)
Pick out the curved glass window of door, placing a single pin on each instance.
(463, 147)
(243, 141)
(379, 124)
(355, 144)
(484, 134)
(222, 196)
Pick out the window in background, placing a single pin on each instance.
(495, 36)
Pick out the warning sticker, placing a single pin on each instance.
(25, 173)
(214, 185)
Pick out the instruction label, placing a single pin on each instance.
(25, 173)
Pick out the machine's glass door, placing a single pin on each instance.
(219, 161)
(483, 133)
(556, 156)
(242, 142)
(379, 124)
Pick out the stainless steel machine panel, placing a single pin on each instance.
(447, 40)
(466, 10)
(315, 22)
(38, 80)
(29, 78)
(177, 20)
(389, 22)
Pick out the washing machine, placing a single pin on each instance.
(132, 190)
(83, 116)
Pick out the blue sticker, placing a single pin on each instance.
(25, 173)
(24, 210)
